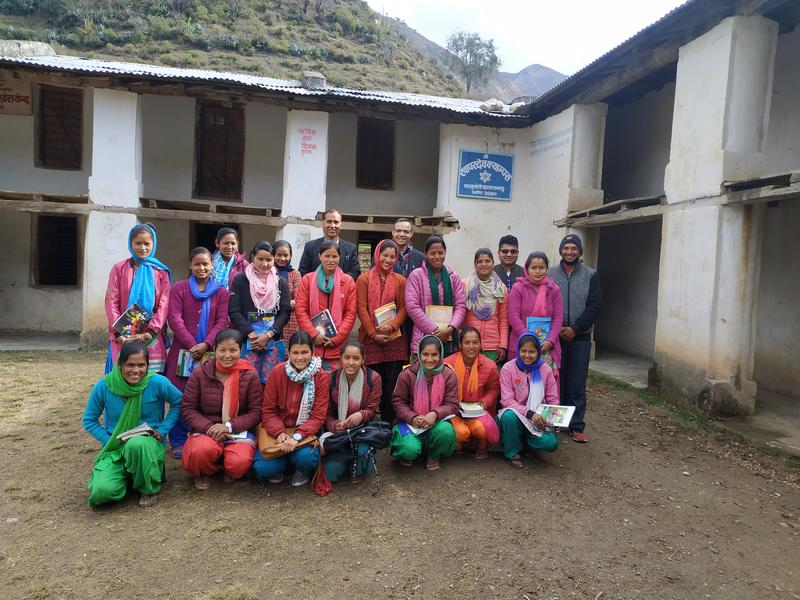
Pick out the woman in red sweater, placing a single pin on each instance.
(295, 406)
(221, 404)
(327, 287)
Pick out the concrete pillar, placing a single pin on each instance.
(708, 277)
(586, 162)
(305, 171)
(116, 178)
(722, 101)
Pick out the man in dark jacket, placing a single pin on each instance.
(348, 252)
(580, 290)
(409, 258)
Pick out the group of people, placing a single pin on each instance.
(254, 382)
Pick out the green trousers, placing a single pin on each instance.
(513, 433)
(140, 462)
(438, 441)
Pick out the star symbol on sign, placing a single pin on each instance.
(485, 176)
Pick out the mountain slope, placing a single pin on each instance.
(343, 39)
(535, 79)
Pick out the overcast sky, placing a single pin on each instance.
(564, 35)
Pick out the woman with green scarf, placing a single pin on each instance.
(435, 298)
(127, 397)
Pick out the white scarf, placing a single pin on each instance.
(349, 394)
(535, 393)
(306, 377)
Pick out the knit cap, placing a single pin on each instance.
(572, 238)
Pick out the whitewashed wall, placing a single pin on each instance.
(415, 175)
(783, 138)
(17, 170)
(23, 307)
(637, 145)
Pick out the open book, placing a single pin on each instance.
(557, 414)
(143, 429)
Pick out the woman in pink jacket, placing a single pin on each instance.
(435, 284)
(536, 296)
(487, 306)
(525, 383)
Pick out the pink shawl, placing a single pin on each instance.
(263, 289)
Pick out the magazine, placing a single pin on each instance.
(143, 429)
(323, 323)
(558, 415)
(471, 410)
(186, 363)
(540, 327)
(386, 313)
(440, 314)
(133, 321)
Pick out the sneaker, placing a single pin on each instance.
(148, 501)
(579, 436)
(275, 478)
(299, 478)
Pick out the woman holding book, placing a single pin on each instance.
(222, 405)
(355, 396)
(487, 306)
(130, 396)
(526, 382)
(330, 289)
(478, 389)
(144, 281)
(382, 311)
(537, 295)
(259, 308)
(435, 298)
(227, 261)
(283, 264)
(198, 311)
(292, 413)
(425, 397)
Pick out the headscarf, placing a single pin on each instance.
(131, 413)
(306, 377)
(212, 287)
(143, 287)
(483, 296)
(350, 396)
(263, 288)
(331, 286)
(535, 384)
(376, 298)
(221, 270)
(230, 389)
(447, 285)
(424, 402)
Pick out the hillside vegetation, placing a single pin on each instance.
(343, 39)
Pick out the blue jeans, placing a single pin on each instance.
(306, 459)
(573, 373)
(334, 469)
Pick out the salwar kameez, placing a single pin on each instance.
(140, 461)
(513, 434)
(436, 442)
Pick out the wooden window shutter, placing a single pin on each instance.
(60, 128)
(219, 151)
(375, 154)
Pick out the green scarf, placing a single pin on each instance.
(447, 286)
(116, 384)
(324, 284)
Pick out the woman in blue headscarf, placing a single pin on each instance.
(142, 284)
(526, 382)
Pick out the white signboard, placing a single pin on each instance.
(16, 95)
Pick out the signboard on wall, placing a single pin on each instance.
(16, 96)
(486, 176)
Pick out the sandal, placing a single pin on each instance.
(356, 479)
(177, 453)
(201, 482)
(148, 501)
(481, 454)
(432, 465)
(516, 462)
(406, 463)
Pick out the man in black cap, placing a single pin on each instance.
(580, 290)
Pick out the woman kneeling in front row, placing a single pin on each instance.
(222, 406)
(294, 408)
(356, 393)
(425, 396)
(130, 396)
(525, 383)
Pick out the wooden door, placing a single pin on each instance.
(220, 151)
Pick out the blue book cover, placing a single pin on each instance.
(540, 327)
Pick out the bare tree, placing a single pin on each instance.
(472, 58)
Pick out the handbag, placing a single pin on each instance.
(339, 446)
(268, 445)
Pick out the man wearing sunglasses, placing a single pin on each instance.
(508, 270)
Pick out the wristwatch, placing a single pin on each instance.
(228, 426)
(296, 436)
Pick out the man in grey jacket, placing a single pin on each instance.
(582, 296)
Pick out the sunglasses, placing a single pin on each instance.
(509, 251)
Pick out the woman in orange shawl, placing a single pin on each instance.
(479, 385)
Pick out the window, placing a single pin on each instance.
(375, 154)
(57, 251)
(205, 234)
(59, 128)
(220, 150)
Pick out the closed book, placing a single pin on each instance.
(440, 314)
(143, 429)
(540, 327)
(471, 410)
(385, 314)
(558, 415)
(186, 363)
(133, 321)
(323, 323)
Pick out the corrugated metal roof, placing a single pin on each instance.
(90, 66)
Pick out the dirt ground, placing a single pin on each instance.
(652, 507)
